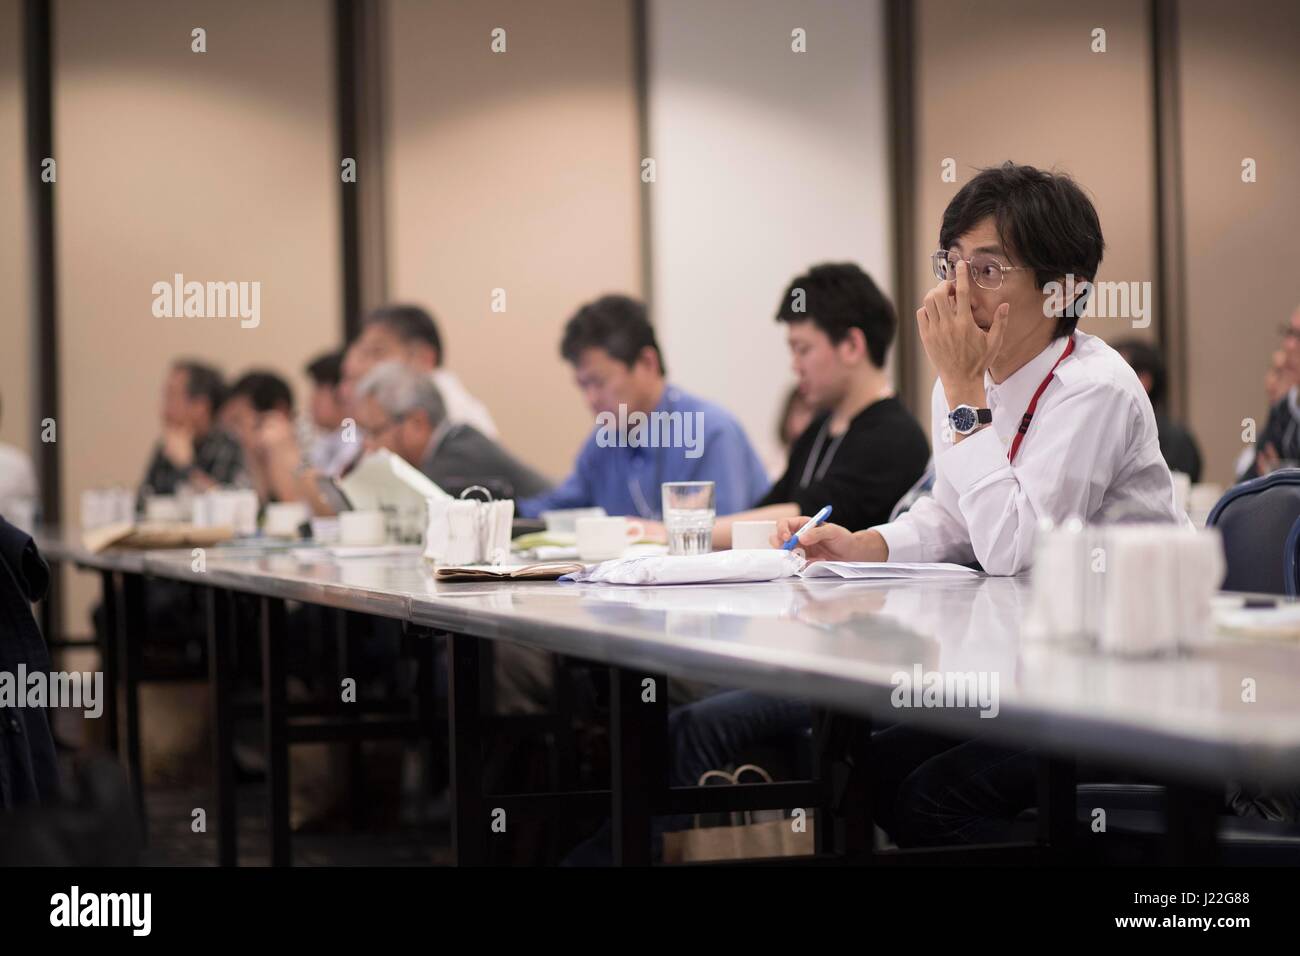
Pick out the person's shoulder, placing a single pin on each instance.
(715, 418)
(1097, 368)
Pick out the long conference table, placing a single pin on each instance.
(1182, 721)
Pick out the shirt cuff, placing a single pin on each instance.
(902, 539)
(970, 461)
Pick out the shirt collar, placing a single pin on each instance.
(1020, 385)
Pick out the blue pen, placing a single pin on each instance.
(819, 518)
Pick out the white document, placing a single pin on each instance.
(382, 479)
(885, 570)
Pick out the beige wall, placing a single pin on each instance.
(219, 166)
(517, 171)
(1053, 103)
(1239, 75)
(760, 177)
(15, 286)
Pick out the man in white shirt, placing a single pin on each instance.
(408, 333)
(1032, 419)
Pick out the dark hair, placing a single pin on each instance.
(326, 369)
(1043, 219)
(409, 323)
(264, 390)
(837, 297)
(615, 323)
(203, 381)
(1144, 357)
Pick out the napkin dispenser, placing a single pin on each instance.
(469, 530)
(1129, 589)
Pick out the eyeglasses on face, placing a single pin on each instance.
(985, 268)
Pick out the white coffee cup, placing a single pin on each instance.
(283, 518)
(752, 535)
(325, 530)
(361, 529)
(600, 539)
(162, 508)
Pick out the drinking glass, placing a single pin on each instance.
(688, 516)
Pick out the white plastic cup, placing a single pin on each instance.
(284, 518)
(361, 529)
(600, 539)
(752, 535)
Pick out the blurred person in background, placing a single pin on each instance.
(258, 411)
(400, 409)
(328, 448)
(1177, 444)
(408, 333)
(1278, 445)
(619, 368)
(193, 450)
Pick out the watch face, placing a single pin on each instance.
(963, 418)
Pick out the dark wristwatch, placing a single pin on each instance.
(964, 419)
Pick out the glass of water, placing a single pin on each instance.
(688, 516)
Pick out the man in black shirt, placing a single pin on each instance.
(863, 450)
(1177, 445)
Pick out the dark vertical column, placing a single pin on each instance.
(1171, 237)
(346, 65)
(641, 65)
(359, 104)
(38, 85)
(900, 46)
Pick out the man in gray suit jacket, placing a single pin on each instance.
(401, 410)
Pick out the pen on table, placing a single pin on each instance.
(813, 522)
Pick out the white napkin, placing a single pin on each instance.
(465, 531)
(716, 568)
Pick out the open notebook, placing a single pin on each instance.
(488, 572)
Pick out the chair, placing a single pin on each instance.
(1257, 520)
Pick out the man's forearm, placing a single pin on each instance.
(870, 546)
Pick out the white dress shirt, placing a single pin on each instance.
(462, 407)
(1091, 452)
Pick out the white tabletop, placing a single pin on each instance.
(841, 644)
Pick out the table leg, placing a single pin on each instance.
(1192, 824)
(108, 656)
(131, 653)
(221, 609)
(275, 711)
(469, 824)
(638, 740)
(1056, 805)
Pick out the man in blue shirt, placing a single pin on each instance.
(647, 431)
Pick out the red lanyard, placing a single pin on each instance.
(1033, 402)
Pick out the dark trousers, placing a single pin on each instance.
(934, 790)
